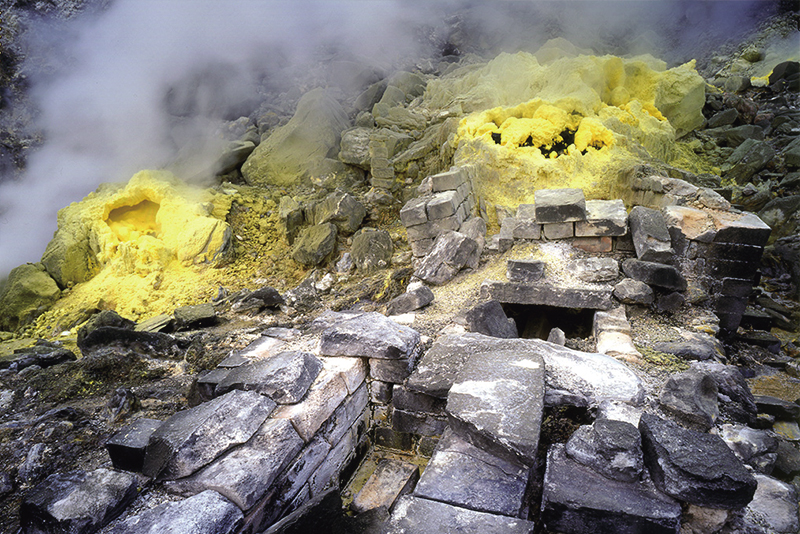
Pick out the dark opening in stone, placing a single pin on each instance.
(535, 321)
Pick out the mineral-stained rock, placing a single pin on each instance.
(692, 395)
(415, 515)
(489, 318)
(451, 252)
(654, 274)
(372, 249)
(464, 475)
(192, 438)
(630, 291)
(205, 513)
(411, 300)
(27, 293)
(543, 293)
(773, 509)
(246, 473)
(195, 316)
(650, 235)
(577, 499)
(354, 147)
(370, 335)
(284, 378)
(559, 205)
(611, 448)
(339, 208)
(669, 302)
(290, 218)
(315, 244)
(76, 502)
(496, 403)
(154, 344)
(694, 467)
(390, 480)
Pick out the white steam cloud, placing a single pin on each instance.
(103, 112)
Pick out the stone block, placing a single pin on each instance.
(315, 244)
(380, 392)
(291, 482)
(370, 335)
(411, 300)
(207, 384)
(526, 211)
(284, 378)
(595, 245)
(451, 252)
(422, 424)
(743, 228)
(325, 395)
(737, 287)
(692, 223)
(559, 205)
(126, 448)
(451, 223)
(692, 395)
(610, 448)
(421, 247)
(735, 251)
(413, 401)
(393, 439)
(603, 218)
(730, 305)
(193, 438)
(415, 515)
(349, 412)
(548, 295)
(595, 269)
(352, 370)
(527, 229)
(651, 237)
(390, 480)
(524, 271)
(448, 180)
(327, 474)
(442, 205)
(578, 499)
(553, 231)
(261, 348)
(464, 475)
(496, 403)
(394, 371)
(426, 230)
(630, 291)
(654, 274)
(734, 269)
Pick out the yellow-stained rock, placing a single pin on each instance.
(27, 293)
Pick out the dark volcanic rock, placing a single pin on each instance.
(411, 300)
(654, 274)
(44, 354)
(315, 244)
(127, 447)
(630, 291)
(650, 235)
(76, 502)
(104, 318)
(611, 448)
(372, 249)
(693, 396)
(369, 335)
(284, 378)
(196, 316)
(489, 319)
(524, 271)
(694, 467)
(154, 344)
(576, 499)
(543, 293)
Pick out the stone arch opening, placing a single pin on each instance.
(536, 321)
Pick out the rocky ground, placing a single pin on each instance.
(62, 398)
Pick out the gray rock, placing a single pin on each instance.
(595, 269)
(411, 300)
(104, 318)
(339, 208)
(372, 249)
(787, 463)
(723, 118)
(559, 205)
(422, 424)
(304, 296)
(738, 135)
(546, 294)
(579, 500)
(284, 378)
(315, 244)
(557, 336)
(394, 371)
(246, 473)
(327, 393)
(195, 316)
(193, 438)
(756, 448)
(415, 515)
(525, 228)
(233, 155)
(463, 475)
(496, 403)
(697, 346)
(489, 319)
(692, 395)
(524, 271)
(409, 400)
(654, 274)
(390, 480)
(346, 415)
(290, 218)
(451, 252)
(694, 467)
(603, 218)
(650, 235)
(749, 158)
(354, 147)
(127, 447)
(76, 502)
(42, 354)
(205, 513)
(669, 302)
(630, 291)
(611, 448)
(322, 513)
(773, 509)
(370, 335)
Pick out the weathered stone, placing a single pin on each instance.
(553, 231)
(496, 403)
(448, 180)
(489, 319)
(284, 378)
(353, 371)
(756, 448)
(371, 335)
(268, 297)
(196, 316)
(354, 147)
(411, 300)
(394, 371)
(339, 208)
(669, 302)
(787, 463)
(409, 400)
(577, 499)
(526, 229)
(43, 354)
(464, 475)
(372, 249)
(548, 295)
(415, 211)
(524, 271)
(76, 502)
(291, 482)
(390, 480)
(692, 395)
(441, 205)
(327, 474)
(27, 293)
(603, 218)
(756, 156)
(694, 467)
(773, 509)
(611, 448)
(322, 513)
(559, 205)
(233, 155)
(325, 395)
(742, 228)
(399, 117)
(193, 438)
(698, 346)
(595, 245)
(422, 424)
(654, 274)
(415, 515)
(245, 473)
(205, 513)
(315, 244)
(451, 252)
(595, 269)
(127, 447)
(650, 235)
(732, 384)
(262, 348)
(630, 291)
(777, 407)
(346, 415)
(290, 218)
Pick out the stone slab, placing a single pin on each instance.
(352, 370)
(743, 228)
(524, 271)
(651, 237)
(422, 424)
(603, 218)
(205, 513)
(284, 377)
(325, 395)
(390, 480)
(369, 335)
(559, 205)
(394, 371)
(346, 415)
(654, 274)
(415, 515)
(463, 475)
(544, 294)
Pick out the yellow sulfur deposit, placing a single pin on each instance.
(564, 118)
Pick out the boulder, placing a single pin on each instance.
(603, 218)
(292, 151)
(28, 292)
(692, 395)
(68, 257)
(610, 448)
(205, 513)
(315, 244)
(749, 158)
(451, 252)
(233, 155)
(489, 319)
(284, 378)
(630, 291)
(369, 335)
(694, 467)
(339, 208)
(650, 235)
(354, 147)
(732, 384)
(411, 300)
(415, 515)
(77, 502)
(372, 249)
(126, 342)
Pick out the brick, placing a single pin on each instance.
(593, 244)
(733, 269)
(745, 228)
(418, 423)
(558, 230)
(737, 287)
(422, 231)
(394, 371)
(527, 229)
